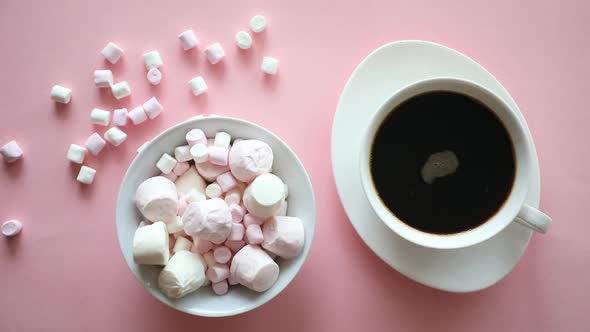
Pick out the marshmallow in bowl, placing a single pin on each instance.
(210, 171)
(213, 190)
(182, 153)
(254, 234)
(218, 155)
(222, 254)
(188, 39)
(252, 267)
(234, 196)
(166, 163)
(196, 136)
(237, 232)
(200, 153)
(208, 220)
(181, 168)
(237, 212)
(112, 52)
(121, 90)
(190, 180)
(152, 59)
(157, 199)
(227, 181)
(61, 94)
(150, 245)
(283, 209)
(264, 196)
(175, 225)
(217, 272)
(283, 236)
(194, 196)
(222, 139)
(250, 158)
(183, 274)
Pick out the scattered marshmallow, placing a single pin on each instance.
(152, 59)
(76, 153)
(196, 136)
(249, 159)
(121, 90)
(61, 94)
(11, 152)
(112, 52)
(222, 254)
(182, 243)
(115, 136)
(199, 153)
(250, 219)
(218, 272)
(154, 76)
(218, 155)
(152, 108)
(175, 225)
(213, 190)
(208, 220)
(86, 175)
(157, 200)
(181, 168)
(283, 236)
(190, 180)
(237, 232)
(103, 78)
(237, 212)
(215, 53)
(183, 274)
(183, 153)
(166, 163)
(120, 117)
(11, 227)
(243, 40)
(198, 85)
(137, 115)
(100, 117)
(270, 65)
(235, 246)
(227, 181)
(188, 39)
(95, 144)
(253, 268)
(210, 171)
(258, 23)
(220, 288)
(222, 139)
(254, 234)
(263, 198)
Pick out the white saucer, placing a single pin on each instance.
(384, 71)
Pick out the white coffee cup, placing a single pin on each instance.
(514, 208)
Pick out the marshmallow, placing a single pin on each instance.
(210, 171)
(237, 232)
(152, 108)
(190, 180)
(154, 76)
(152, 59)
(196, 136)
(86, 175)
(198, 85)
(253, 268)
(61, 94)
(235, 246)
(283, 209)
(171, 241)
(183, 153)
(166, 163)
(243, 40)
(250, 219)
(76, 153)
(218, 272)
(254, 234)
(218, 155)
(194, 196)
(100, 117)
(11, 227)
(208, 220)
(103, 78)
(180, 234)
(181, 168)
(170, 176)
(157, 200)
(211, 141)
(222, 254)
(215, 53)
(250, 158)
(233, 196)
(209, 259)
(112, 52)
(222, 139)
(220, 288)
(181, 243)
(269, 65)
(232, 281)
(183, 274)
(120, 117)
(283, 236)
(213, 190)
(115, 136)
(95, 144)
(175, 225)
(227, 181)
(264, 196)
(120, 90)
(202, 246)
(137, 115)
(182, 204)
(258, 23)
(237, 213)
(188, 40)
(11, 152)
(200, 153)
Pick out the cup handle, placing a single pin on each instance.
(533, 219)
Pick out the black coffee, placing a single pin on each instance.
(442, 162)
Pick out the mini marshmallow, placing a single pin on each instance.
(154, 76)
(250, 158)
(243, 40)
(76, 153)
(112, 52)
(215, 53)
(222, 139)
(209, 259)
(270, 65)
(11, 152)
(250, 219)
(253, 268)
(213, 190)
(166, 163)
(194, 196)
(121, 90)
(120, 117)
(232, 281)
(86, 175)
(237, 232)
(237, 213)
(152, 108)
(95, 144)
(227, 181)
(175, 225)
(181, 168)
(283, 236)
(196, 136)
(198, 85)
(208, 220)
(157, 200)
(100, 117)
(188, 40)
(233, 196)
(103, 78)
(170, 176)
(202, 246)
(11, 227)
(218, 272)
(283, 209)
(200, 153)
(152, 59)
(115, 136)
(254, 234)
(61, 94)
(137, 115)
(222, 254)
(263, 198)
(218, 155)
(183, 153)
(258, 23)
(183, 274)
(235, 246)
(190, 180)
(220, 288)
(181, 243)
(210, 171)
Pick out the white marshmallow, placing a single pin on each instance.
(196, 136)
(103, 78)
(220, 288)
(270, 65)
(258, 23)
(120, 117)
(283, 209)
(115, 136)
(215, 53)
(243, 40)
(175, 225)
(76, 153)
(250, 158)
(112, 52)
(121, 90)
(100, 117)
(182, 153)
(253, 268)
(154, 76)
(213, 190)
(11, 152)
(152, 59)
(11, 227)
(137, 115)
(152, 108)
(183, 274)
(209, 220)
(263, 198)
(166, 163)
(194, 196)
(188, 40)
(156, 198)
(222, 139)
(190, 180)
(200, 153)
(86, 175)
(198, 85)
(95, 144)
(182, 243)
(61, 94)
(283, 236)
(150, 244)
(234, 196)
(209, 171)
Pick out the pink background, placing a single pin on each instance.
(65, 272)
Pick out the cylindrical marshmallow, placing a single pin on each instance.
(200, 153)
(253, 268)
(152, 59)
(150, 245)
(283, 236)
(12, 227)
(112, 52)
(157, 200)
(121, 90)
(152, 108)
(250, 158)
(234, 196)
(250, 219)
(196, 136)
(258, 23)
(120, 117)
(254, 234)
(237, 232)
(222, 139)
(232, 281)
(95, 144)
(137, 115)
(235, 246)
(183, 153)
(166, 163)
(218, 272)
(227, 181)
(115, 136)
(61, 94)
(182, 204)
(243, 40)
(175, 225)
(189, 181)
(222, 254)
(208, 220)
(264, 196)
(188, 40)
(11, 152)
(170, 176)
(183, 274)
(218, 155)
(198, 85)
(181, 243)
(100, 117)
(213, 190)
(203, 246)
(209, 171)
(103, 78)
(220, 288)
(237, 212)
(181, 168)
(209, 259)
(76, 153)
(270, 65)
(215, 53)
(154, 76)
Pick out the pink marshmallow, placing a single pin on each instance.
(152, 108)
(222, 254)
(95, 144)
(283, 236)
(220, 288)
(137, 115)
(215, 53)
(209, 220)
(157, 200)
(227, 181)
(237, 212)
(250, 158)
(250, 219)
(218, 155)
(182, 204)
(170, 176)
(209, 259)
(234, 196)
(217, 272)
(235, 246)
(210, 171)
(254, 234)
(231, 280)
(120, 117)
(11, 152)
(253, 268)
(203, 246)
(196, 136)
(112, 52)
(181, 168)
(237, 232)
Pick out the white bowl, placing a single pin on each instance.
(286, 165)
